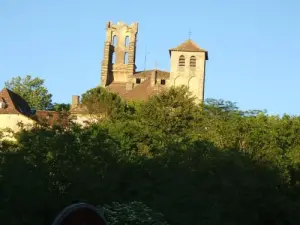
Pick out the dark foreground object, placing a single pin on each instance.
(79, 214)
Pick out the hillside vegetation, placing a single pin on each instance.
(206, 164)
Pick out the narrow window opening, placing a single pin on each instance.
(181, 60)
(126, 41)
(138, 80)
(2, 105)
(193, 61)
(162, 82)
(113, 60)
(126, 58)
(114, 41)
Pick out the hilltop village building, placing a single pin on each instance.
(118, 67)
(16, 114)
(119, 75)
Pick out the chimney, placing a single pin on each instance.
(153, 78)
(75, 101)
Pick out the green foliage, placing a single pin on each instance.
(59, 107)
(103, 103)
(32, 90)
(133, 213)
(195, 165)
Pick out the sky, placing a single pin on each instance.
(253, 45)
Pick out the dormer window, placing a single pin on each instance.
(181, 61)
(2, 105)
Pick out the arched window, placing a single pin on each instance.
(114, 40)
(113, 58)
(193, 61)
(182, 60)
(126, 58)
(126, 41)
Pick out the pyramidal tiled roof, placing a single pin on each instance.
(15, 104)
(189, 46)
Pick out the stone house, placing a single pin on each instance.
(15, 113)
(79, 113)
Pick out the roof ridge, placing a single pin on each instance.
(186, 46)
(189, 46)
(153, 70)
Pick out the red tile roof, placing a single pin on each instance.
(189, 46)
(148, 73)
(50, 118)
(119, 88)
(14, 103)
(142, 91)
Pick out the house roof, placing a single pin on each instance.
(14, 103)
(117, 87)
(148, 73)
(189, 46)
(50, 118)
(141, 92)
(80, 109)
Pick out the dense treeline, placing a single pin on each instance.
(196, 164)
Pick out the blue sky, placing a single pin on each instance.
(253, 45)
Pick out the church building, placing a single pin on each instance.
(118, 68)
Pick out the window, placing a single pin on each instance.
(113, 58)
(138, 80)
(181, 60)
(162, 82)
(2, 105)
(193, 61)
(126, 41)
(114, 40)
(126, 58)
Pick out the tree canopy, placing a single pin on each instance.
(32, 89)
(166, 159)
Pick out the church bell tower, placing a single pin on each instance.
(118, 64)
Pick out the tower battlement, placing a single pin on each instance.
(118, 63)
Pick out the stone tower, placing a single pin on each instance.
(118, 63)
(188, 68)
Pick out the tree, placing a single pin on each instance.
(59, 107)
(169, 116)
(32, 89)
(134, 213)
(103, 104)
